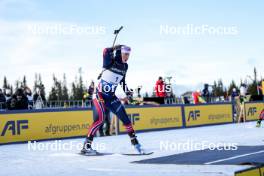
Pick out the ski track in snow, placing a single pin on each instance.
(17, 160)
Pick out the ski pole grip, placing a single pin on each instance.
(118, 30)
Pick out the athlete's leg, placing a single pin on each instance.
(107, 122)
(101, 129)
(117, 108)
(98, 115)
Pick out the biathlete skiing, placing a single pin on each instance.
(114, 73)
(104, 99)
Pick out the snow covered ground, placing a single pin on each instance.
(22, 159)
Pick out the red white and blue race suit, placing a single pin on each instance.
(104, 99)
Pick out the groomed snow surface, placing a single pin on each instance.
(42, 158)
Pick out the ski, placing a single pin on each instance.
(137, 154)
(95, 154)
(104, 154)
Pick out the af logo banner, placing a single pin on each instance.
(252, 110)
(208, 114)
(15, 127)
(194, 115)
(134, 117)
(27, 126)
(148, 118)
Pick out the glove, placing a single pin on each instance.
(129, 95)
(117, 47)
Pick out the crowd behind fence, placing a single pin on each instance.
(24, 99)
(40, 104)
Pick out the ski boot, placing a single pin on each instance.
(135, 143)
(87, 148)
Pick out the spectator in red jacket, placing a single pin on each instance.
(196, 96)
(160, 88)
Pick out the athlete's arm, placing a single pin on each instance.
(107, 57)
(128, 92)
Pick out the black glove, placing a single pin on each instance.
(117, 47)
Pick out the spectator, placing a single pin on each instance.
(88, 96)
(206, 93)
(234, 94)
(28, 93)
(195, 96)
(39, 99)
(243, 98)
(235, 101)
(243, 90)
(91, 90)
(11, 104)
(8, 94)
(138, 91)
(18, 101)
(160, 88)
(185, 100)
(2, 100)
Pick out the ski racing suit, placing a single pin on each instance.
(104, 98)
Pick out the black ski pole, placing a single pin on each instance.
(116, 32)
